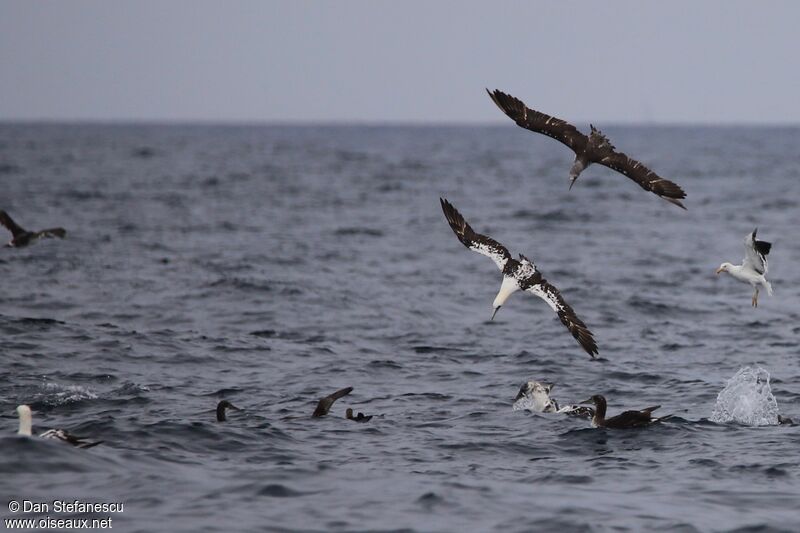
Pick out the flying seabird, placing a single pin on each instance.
(22, 237)
(26, 429)
(592, 149)
(538, 398)
(358, 418)
(326, 403)
(628, 419)
(753, 269)
(518, 275)
(221, 407)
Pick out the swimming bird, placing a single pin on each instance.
(26, 429)
(628, 419)
(359, 418)
(325, 404)
(753, 269)
(22, 237)
(537, 398)
(592, 149)
(518, 275)
(221, 407)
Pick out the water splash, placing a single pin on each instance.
(56, 394)
(747, 399)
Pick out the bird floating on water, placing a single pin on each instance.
(753, 269)
(518, 275)
(592, 149)
(325, 404)
(358, 418)
(26, 429)
(537, 397)
(221, 407)
(22, 237)
(628, 419)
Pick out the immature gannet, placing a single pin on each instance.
(26, 429)
(753, 269)
(535, 396)
(518, 275)
(592, 149)
(628, 419)
(22, 237)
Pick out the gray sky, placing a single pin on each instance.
(409, 61)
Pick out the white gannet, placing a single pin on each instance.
(22, 237)
(592, 149)
(26, 429)
(518, 275)
(753, 269)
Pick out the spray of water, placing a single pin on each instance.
(747, 399)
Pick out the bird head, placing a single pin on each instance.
(723, 268)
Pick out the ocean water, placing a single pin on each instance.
(273, 265)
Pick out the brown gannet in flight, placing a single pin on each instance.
(592, 149)
(22, 237)
(518, 275)
(628, 419)
(26, 429)
(325, 404)
(753, 269)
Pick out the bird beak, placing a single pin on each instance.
(720, 269)
(496, 309)
(589, 401)
(572, 182)
(231, 406)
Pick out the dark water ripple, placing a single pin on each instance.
(273, 265)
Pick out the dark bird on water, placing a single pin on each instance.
(594, 148)
(325, 404)
(221, 407)
(628, 419)
(21, 237)
(518, 275)
(360, 417)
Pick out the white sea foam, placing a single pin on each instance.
(747, 399)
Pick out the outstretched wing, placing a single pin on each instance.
(474, 241)
(646, 178)
(527, 118)
(756, 253)
(12, 226)
(575, 325)
(325, 404)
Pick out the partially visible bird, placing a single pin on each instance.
(221, 407)
(518, 275)
(592, 149)
(753, 269)
(359, 418)
(325, 404)
(22, 237)
(26, 429)
(627, 419)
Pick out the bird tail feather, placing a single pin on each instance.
(769, 287)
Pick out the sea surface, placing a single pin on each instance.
(273, 265)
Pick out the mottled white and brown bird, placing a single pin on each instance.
(21, 237)
(518, 275)
(753, 269)
(594, 148)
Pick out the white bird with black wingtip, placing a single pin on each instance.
(518, 275)
(753, 269)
